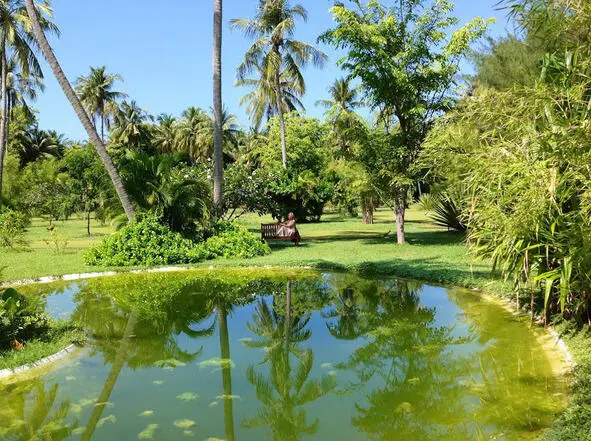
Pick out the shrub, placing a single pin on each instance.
(446, 213)
(233, 240)
(427, 202)
(146, 242)
(21, 318)
(12, 228)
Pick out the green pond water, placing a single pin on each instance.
(232, 356)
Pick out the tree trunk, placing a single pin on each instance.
(79, 109)
(281, 121)
(226, 372)
(218, 142)
(367, 209)
(4, 116)
(88, 222)
(399, 211)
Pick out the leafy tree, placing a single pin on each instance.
(508, 62)
(276, 50)
(407, 60)
(17, 42)
(98, 97)
(37, 25)
(303, 189)
(90, 181)
(50, 191)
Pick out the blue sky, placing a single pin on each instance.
(163, 51)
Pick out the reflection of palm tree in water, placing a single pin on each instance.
(138, 344)
(43, 420)
(112, 378)
(288, 388)
(418, 397)
(222, 317)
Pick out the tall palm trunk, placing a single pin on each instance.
(281, 120)
(4, 116)
(80, 112)
(218, 145)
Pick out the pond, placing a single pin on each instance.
(220, 355)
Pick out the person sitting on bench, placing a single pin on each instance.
(287, 229)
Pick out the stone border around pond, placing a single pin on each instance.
(94, 275)
(6, 373)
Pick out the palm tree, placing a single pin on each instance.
(130, 126)
(37, 24)
(98, 97)
(275, 51)
(36, 144)
(17, 42)
(261, 101)
(192, 128)
(166, 134)
(230, 132)
(343, 98)
(218, 142)
(20, 89)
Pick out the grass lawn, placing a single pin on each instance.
(60, 336)
(431, 254)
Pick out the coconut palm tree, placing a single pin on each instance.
(343, 98)
(130, 126)
(38, 23)
(166, 133)
(218, 142)
(193, 128)
(20, 89)
(36, 144)
(275, 50)
(18, 42)
(98, 97)
(261, 102)
(230, 132)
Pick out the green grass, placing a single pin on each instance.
(431, 254)
(40, 259)
(60, 336)
(575, 423)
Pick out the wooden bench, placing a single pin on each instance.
(269, 232)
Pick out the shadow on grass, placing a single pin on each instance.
(431, 270)
(423, 238)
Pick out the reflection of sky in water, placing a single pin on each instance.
(161, 396)
(61, 306)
